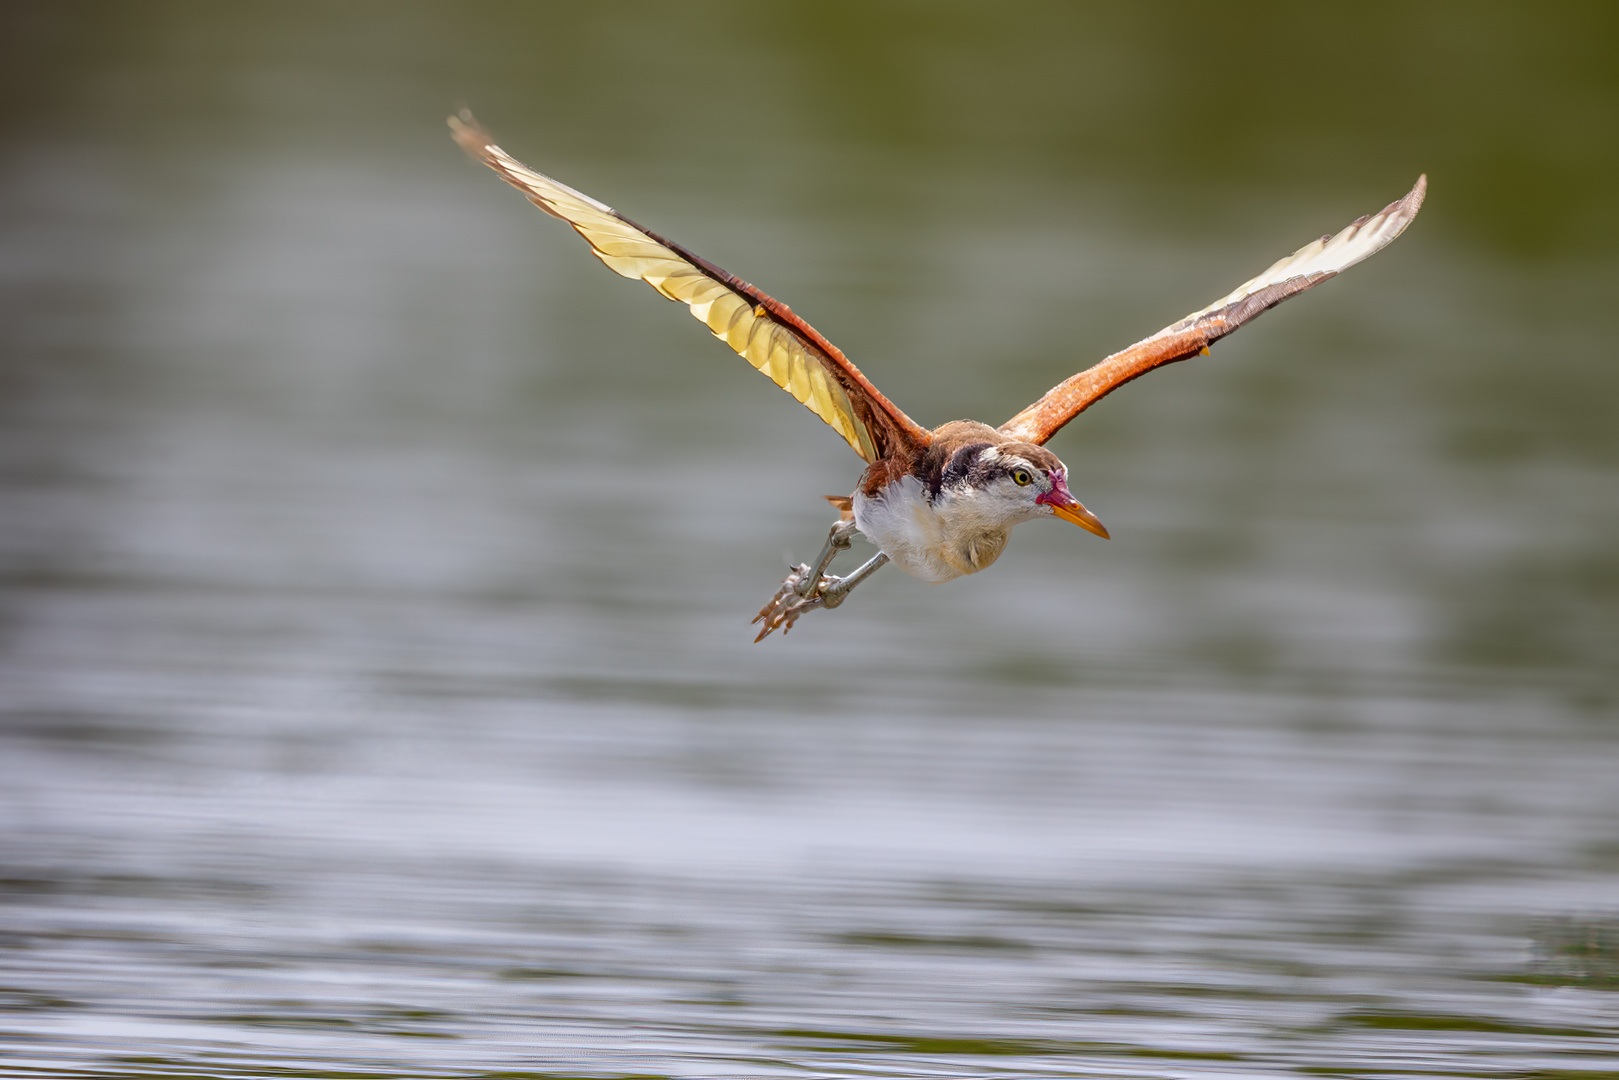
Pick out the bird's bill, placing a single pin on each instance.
(1080, 516)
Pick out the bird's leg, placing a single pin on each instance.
(807, 587)
(835, 590)
(838, 539)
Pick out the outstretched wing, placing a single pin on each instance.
(1307, 267)
(764, 331)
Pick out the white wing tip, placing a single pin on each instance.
(478, 143)
(1330, 255)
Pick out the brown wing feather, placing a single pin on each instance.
(761, 329)
(1304, 269)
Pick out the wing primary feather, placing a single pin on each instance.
(760, 328)
(1306, 268)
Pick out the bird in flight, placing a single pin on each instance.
(937, 503)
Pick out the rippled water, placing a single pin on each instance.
(376, 691)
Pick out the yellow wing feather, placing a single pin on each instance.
(760, 329)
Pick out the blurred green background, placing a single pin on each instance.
(256, 205)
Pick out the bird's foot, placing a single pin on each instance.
(807, 587)
(799, 592)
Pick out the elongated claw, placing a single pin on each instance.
(799, 592)
(809, 587)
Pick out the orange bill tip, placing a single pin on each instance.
(1082, 517)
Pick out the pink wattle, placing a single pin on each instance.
(1058, 495)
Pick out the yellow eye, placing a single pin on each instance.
(1021, 477)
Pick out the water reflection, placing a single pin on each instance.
(377, 690)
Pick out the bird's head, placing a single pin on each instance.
(1016, 482)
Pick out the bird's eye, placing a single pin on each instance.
(1021, 477)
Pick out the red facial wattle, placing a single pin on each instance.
(1067, 507)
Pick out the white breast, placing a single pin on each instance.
(902, 524)
(922, 541)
